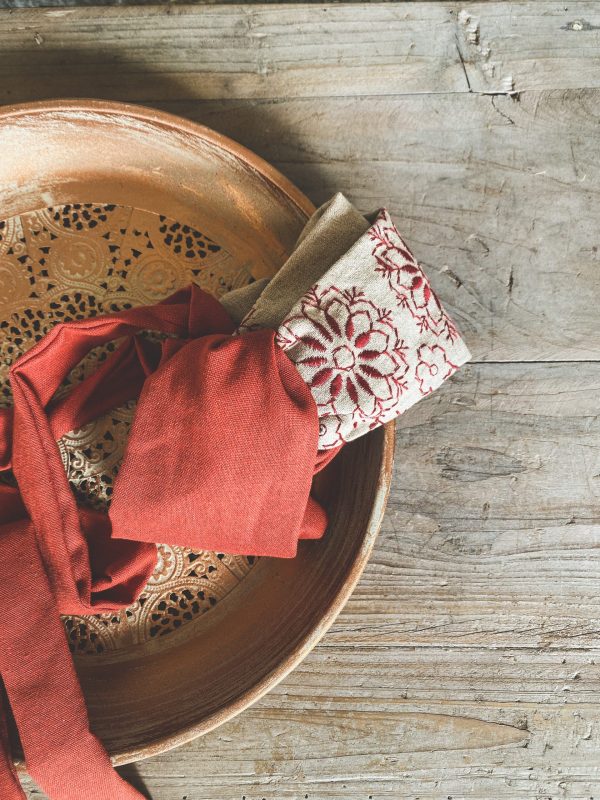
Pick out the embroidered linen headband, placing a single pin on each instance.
(240, 402)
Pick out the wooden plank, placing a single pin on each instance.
(159, 53)
(467, 662)
(498, 198)
(466, 751)
(297, 50)
(268, 754)
(530, 45)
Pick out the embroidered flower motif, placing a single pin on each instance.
(407, 280)
(330, 432)
(348, 351)
(371, 338)
(433, 368)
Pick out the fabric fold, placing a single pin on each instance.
(222, 451)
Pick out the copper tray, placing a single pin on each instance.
(105, 205)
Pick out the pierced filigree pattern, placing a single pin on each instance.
(77, 261)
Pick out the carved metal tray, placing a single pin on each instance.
(104, 207)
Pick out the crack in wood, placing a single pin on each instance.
(462, 61)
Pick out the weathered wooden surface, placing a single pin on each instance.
(467, 663)
(306, 50)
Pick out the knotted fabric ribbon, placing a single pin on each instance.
(238, 405)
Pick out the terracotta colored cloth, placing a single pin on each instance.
(223, 425)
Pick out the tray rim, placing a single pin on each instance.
(166, 120)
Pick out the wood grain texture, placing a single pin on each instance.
(298, 50)
(466, 664)
(235, 51)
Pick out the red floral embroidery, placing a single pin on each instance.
(330, 431)
(348, 351)
(370, 338)
(433, 367)
(406, 278)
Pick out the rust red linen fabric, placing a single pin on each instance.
(221, 455)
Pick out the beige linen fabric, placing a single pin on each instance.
(358, 317)
(329, 233)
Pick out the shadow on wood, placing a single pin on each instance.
(102, 74)
(131, 774)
